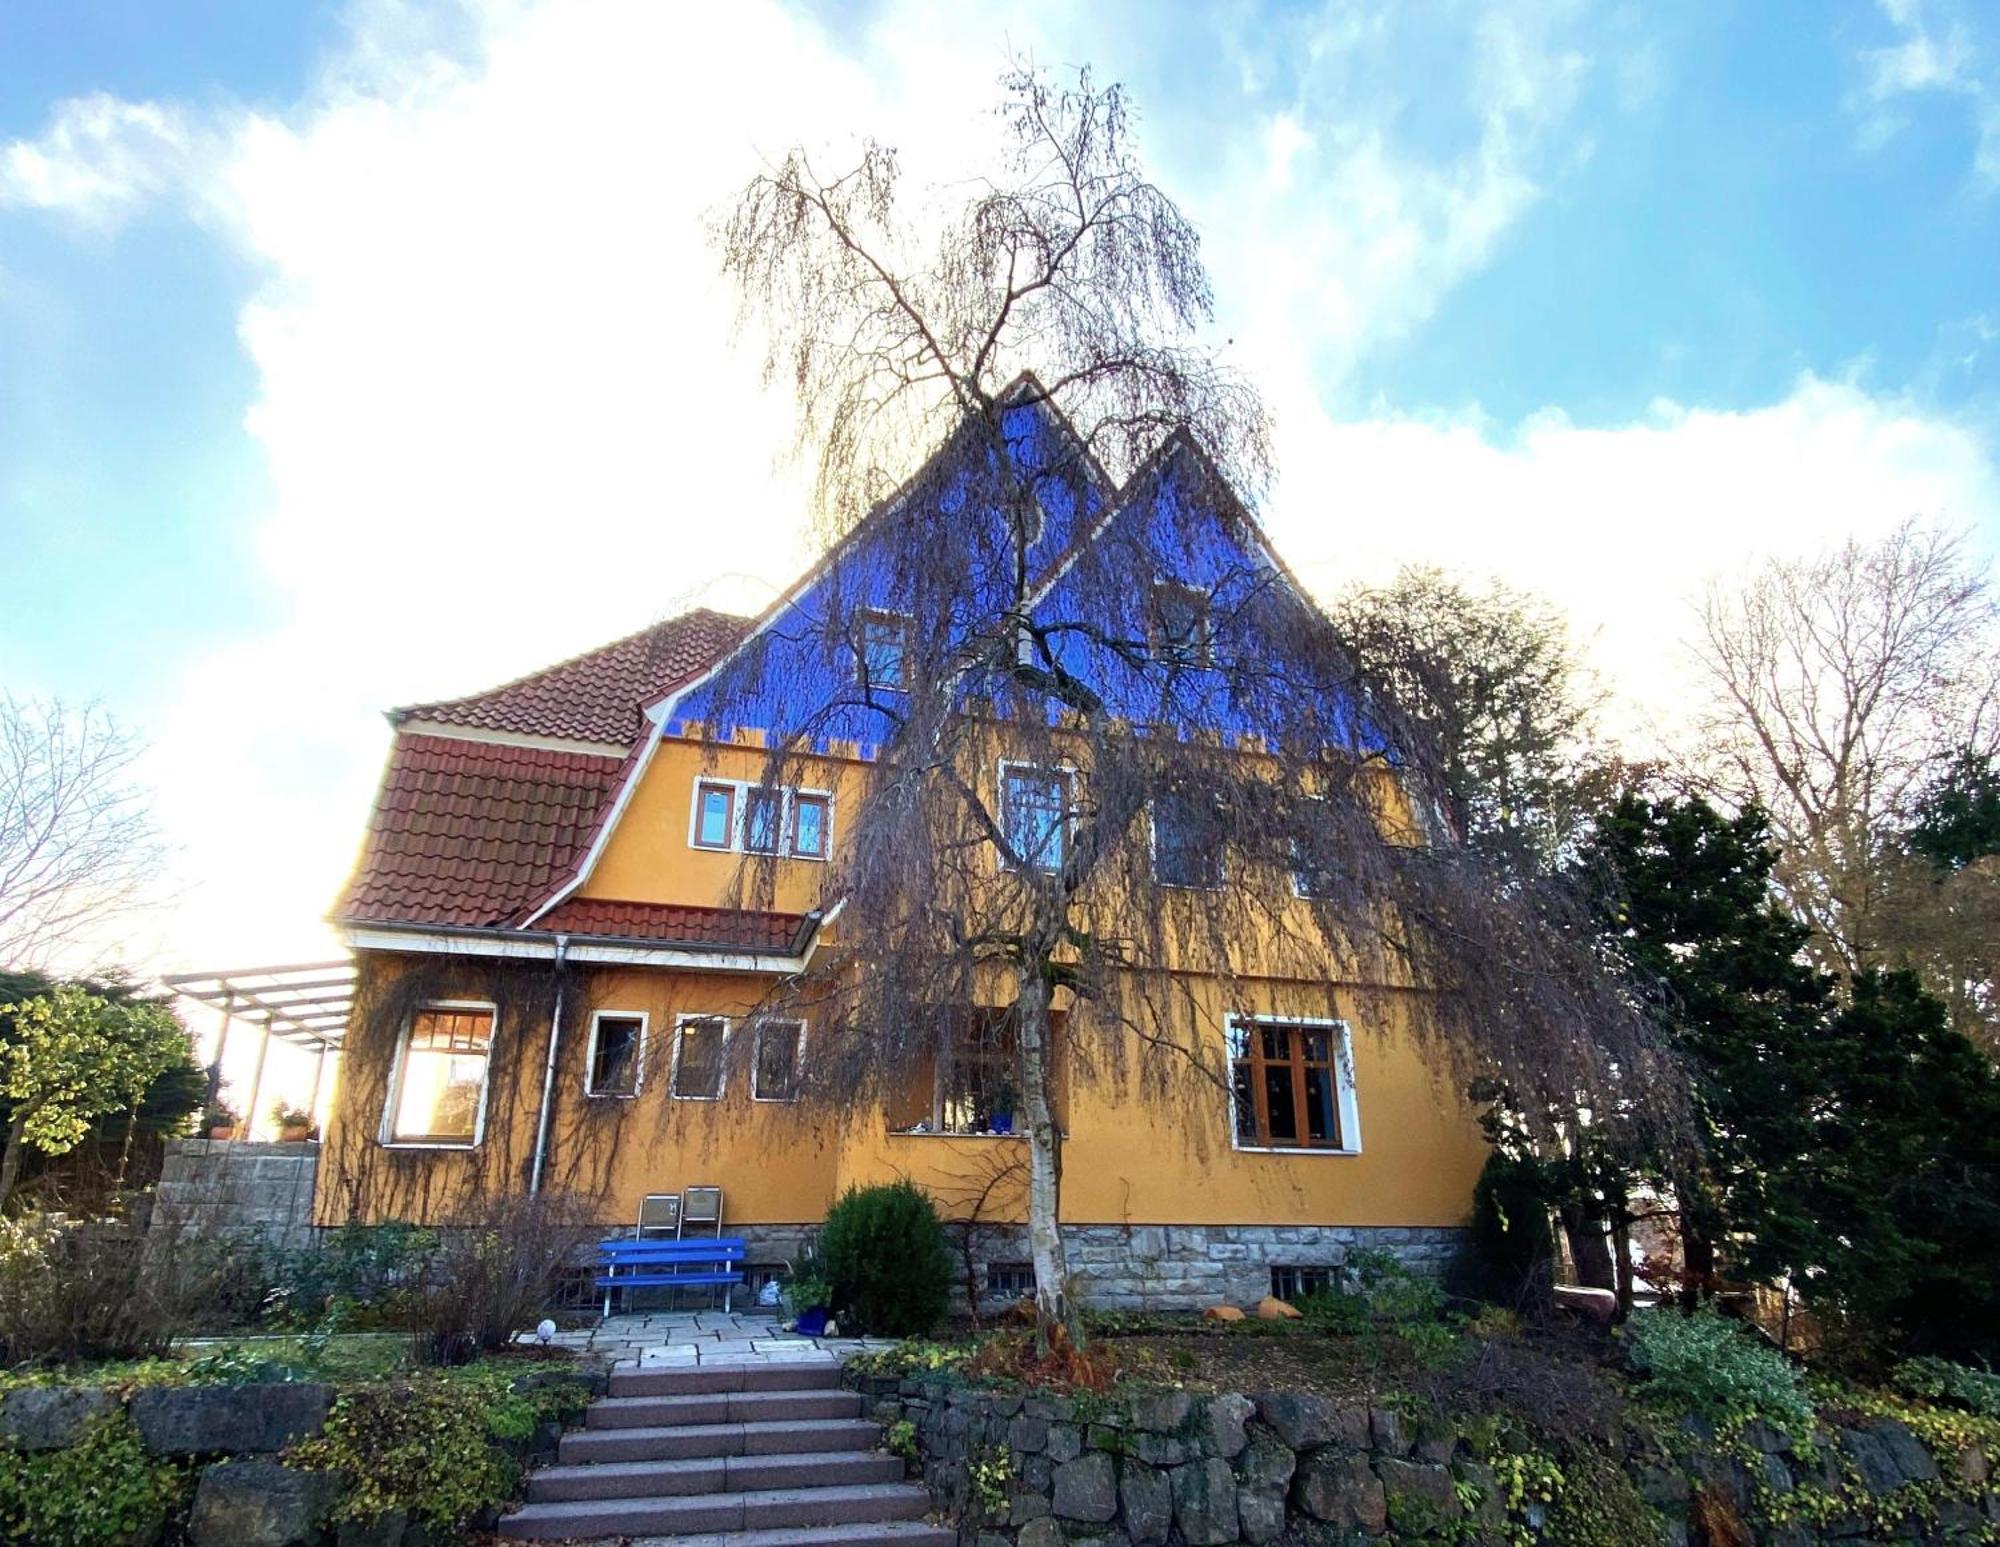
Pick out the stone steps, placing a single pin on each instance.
(727, 1455)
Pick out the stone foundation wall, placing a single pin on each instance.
(1033, 1469)
(234, 1186)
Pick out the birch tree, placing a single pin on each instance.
(1218, 790)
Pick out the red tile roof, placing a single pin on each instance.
(670, 922)
(474, 833)
(595, 696)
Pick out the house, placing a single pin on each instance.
(565, 985)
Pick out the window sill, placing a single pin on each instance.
(612, 1095)
(943, 1133)
(430, 1144)
(1315, 1151)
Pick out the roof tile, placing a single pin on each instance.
(596, 696)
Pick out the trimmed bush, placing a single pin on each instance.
(886, 1260)
(1510, 1229)
(1719, 1370)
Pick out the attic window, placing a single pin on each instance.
(1181, 624)
(885, 650)
(714, 816)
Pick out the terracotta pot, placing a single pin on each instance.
(293, 1133)
(222, 1131)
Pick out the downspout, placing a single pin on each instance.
(549, 1072)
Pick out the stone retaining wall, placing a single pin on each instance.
(1039, 1470)
(235, 1186)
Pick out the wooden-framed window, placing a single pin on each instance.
(714, 815)
(1187, 841)
(763, 820)
(617, 1056)
(885, 649)
(1034, 805)
(1181, 624)
(1292, 1085)
(700, 1042)
(774, 1064)
(437, 1091)
(1011, 1280)
(1295, 1280)
(812, 824)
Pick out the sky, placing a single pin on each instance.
(359, 354)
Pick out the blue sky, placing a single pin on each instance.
(352, 354)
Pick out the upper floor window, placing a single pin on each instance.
(438, 1093)
(761, 819)
(774, 1070)
(811, 820)
(1035, 814)
(885, 649)
(617, 1054)
(1187, 841)
(714, 815)
(1180, 624)
(698, 1048)
(1292, 1085)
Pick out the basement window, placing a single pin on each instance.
(617, 1054)
(1010, 1279)
(1294, 1281)
(438, 1090)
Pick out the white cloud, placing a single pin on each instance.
(1935, 51)
(100, 159)
(1623, 524)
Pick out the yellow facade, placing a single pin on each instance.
(1135, 1155)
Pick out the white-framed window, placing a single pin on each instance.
(884, 647)
(1180, 624)
(1187, 841)
(775, 1059)
(714, 814)
(1034, 813)
(701, 1042)
(437, 1086)
(1291, 1087)
(736, 814)
(617, 1056)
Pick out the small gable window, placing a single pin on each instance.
(1181, 624)
(885, 650)
(763, 820)
(774, 1072)
(714, 815)
(1035, 814)
(1187, 841)
(440, 1083)
(698, 1049)
(617, 1052)
(809, 825)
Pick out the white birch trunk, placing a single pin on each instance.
(1045, 1243)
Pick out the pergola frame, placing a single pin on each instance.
(307, 1003)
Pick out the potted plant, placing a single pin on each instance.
(220, 1120)
(294, 1123)
(806, 1297)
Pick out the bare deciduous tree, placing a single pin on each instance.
(78, 845)
(1844, 682)
(1216, 797)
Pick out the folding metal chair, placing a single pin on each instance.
(659, 1217)
(704, 1207)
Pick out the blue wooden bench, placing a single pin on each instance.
(626, 1263)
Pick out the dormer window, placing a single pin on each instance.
(885, 650)
(1181, 624)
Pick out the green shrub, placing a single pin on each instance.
(70, 1292)
(354, 1275)
(103, 1491)
(1940, 1380)
(886, 1260)
(1719, 1370)
(1510, 1228)
(423, 1445)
